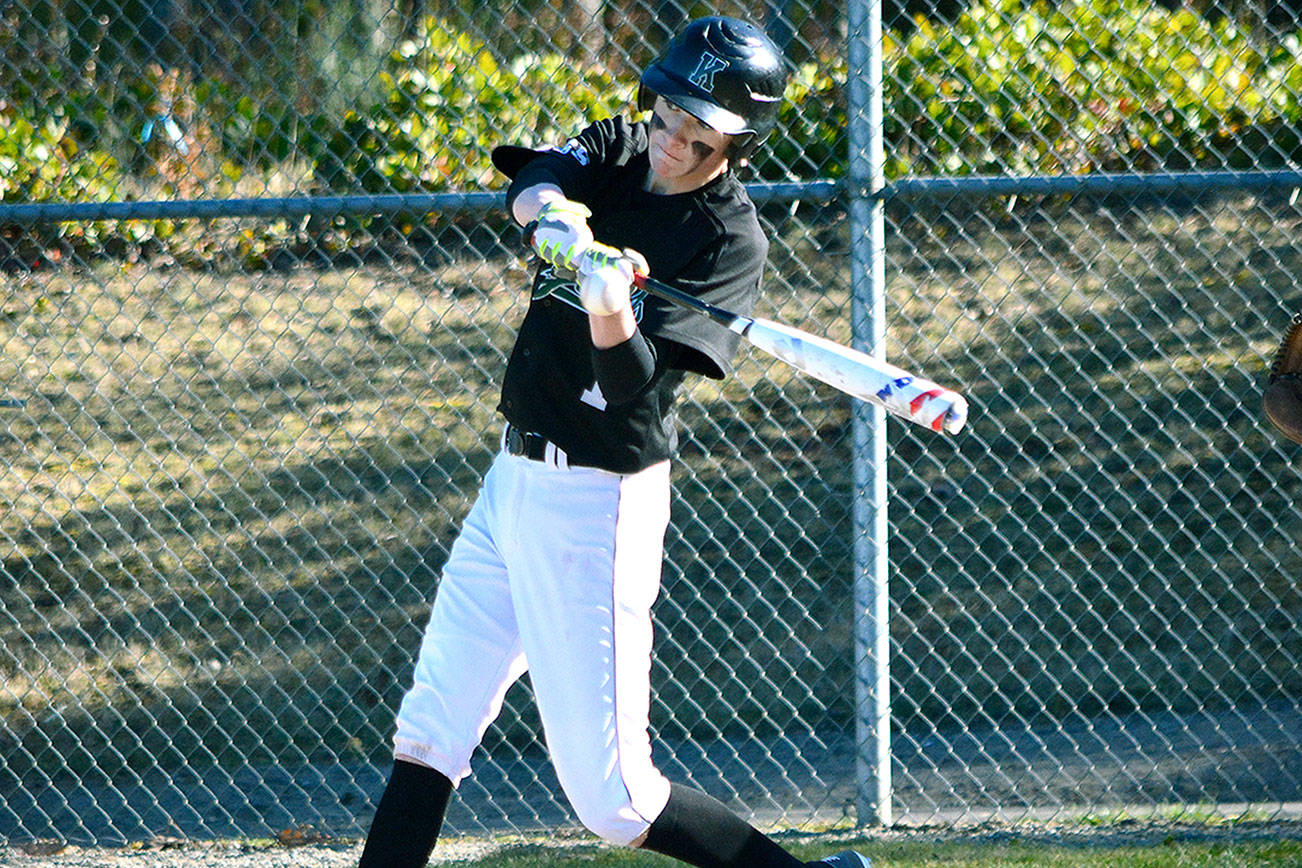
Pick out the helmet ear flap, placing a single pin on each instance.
(646, 97)
(742, 146)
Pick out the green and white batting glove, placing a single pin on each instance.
(606, 278)
(561, 234)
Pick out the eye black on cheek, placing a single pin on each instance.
(701, 150)
(658, 123)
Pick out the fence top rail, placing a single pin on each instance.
(32, 213)
(976, 186)
(823, 190)
(277, 206)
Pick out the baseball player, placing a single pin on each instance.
(558, 562)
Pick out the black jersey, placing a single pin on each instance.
(707, 242)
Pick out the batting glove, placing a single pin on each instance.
(606, 278)
(561, 234)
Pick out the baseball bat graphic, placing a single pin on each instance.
(902, 394)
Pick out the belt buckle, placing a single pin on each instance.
(514, 441)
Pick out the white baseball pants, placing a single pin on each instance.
(554, 572)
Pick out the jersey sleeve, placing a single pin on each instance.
(578, 166)
(728, 276)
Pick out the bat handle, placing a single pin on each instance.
(526, 235)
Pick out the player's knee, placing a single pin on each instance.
(612, 784)
(615, 807)
(615, 823)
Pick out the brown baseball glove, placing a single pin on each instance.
(1282, 402)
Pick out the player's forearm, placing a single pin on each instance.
(624, 369)
(612, 330)
(529, 201)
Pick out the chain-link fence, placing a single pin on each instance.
(236, 448)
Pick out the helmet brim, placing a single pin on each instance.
(510, 159)
(683, 95)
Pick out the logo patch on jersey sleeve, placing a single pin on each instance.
(574, 149)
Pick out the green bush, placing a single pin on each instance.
(446, 101)
(41, 161)
(810, 140)
(1097, 85)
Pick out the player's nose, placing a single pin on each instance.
(676, 132)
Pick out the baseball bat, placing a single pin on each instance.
(902, 394)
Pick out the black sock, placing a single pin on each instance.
(408, 818)
(701, 831)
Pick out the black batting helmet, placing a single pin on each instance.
(726, 73)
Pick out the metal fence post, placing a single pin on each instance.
(868, 277)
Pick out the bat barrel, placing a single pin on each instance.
(915, 399)
(912, 398)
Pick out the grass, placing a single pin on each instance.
(1000, 854)
(228, 496)
(1061, 847)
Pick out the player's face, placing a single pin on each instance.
(685, 153)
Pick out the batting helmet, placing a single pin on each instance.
(726, 73)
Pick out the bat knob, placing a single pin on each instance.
(955, 417)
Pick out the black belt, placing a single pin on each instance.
(525, 443)
(535, 447)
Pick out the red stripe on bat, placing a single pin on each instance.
(916, 404)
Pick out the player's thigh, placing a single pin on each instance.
(585, 617)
